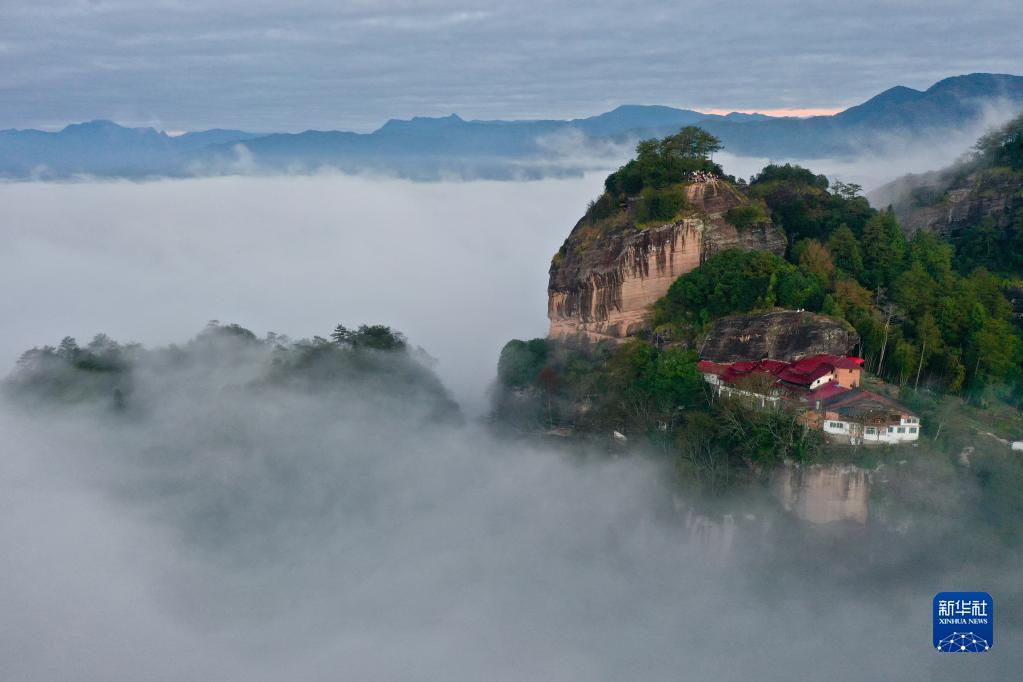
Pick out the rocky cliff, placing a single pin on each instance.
(823, 494)
(779, 335)
(608, 273)
(951, 204)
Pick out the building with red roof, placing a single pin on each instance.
(826, 388)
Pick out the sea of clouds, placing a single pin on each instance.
(231, 535)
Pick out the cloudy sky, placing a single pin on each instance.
(268, 65)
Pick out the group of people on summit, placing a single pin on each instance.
(702, 176)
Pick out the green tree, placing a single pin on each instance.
(659, 204)
(735, 281)
(980, 247)
(1004, 146)
(884, 250)
(845, 250)
(341, 335)
(378, 337)
(520, 362)
(815, 260)
(932, 253)
(993, 353)
(664, 162)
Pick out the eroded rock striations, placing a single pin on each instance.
(604, 279)
(823, 494)
(786, 335)
(995, 195)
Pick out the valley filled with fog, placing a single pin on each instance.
(458, 267)
(266, 535)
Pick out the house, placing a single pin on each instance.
(860, 416)
(804, 376)
(826, 388)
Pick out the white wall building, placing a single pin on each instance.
(905, 430)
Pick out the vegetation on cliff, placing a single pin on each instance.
(650, 186)
(654, 394)
(677, 216)
(807, 205)
(996, 241)
(932, 317)
(735, 281)
(977, 203)
(926, 315)
(1004, 146)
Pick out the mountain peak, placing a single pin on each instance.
(95, 124)
(977, 84)
(102, 126)
(421, 123)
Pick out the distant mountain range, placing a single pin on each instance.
(427, 148)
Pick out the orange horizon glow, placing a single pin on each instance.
(801, 113)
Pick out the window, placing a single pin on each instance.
(902, 429)
(912, 429)
(891, 429)
(836, 425)
(871, 431)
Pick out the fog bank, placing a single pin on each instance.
(240, 535)
(459, 267)
(267, 535)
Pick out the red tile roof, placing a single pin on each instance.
(801, 373)
(708, 367)
(773, 366)
(829, 390)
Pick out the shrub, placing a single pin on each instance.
(660, 204)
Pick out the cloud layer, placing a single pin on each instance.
(266, 535)
(459, 267)
(316, 64)
(238, 535)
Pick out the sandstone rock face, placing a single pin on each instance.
(778, 335)
(823, 494)
(602, 285)
(989, 194)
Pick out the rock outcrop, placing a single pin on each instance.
(605, 278)
(779, 335)
(992, 194)
(823, 494)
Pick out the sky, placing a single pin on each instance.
(261, 65)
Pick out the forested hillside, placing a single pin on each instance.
(931, 312)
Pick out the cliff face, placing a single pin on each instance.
(604, 279)
(780, 335)
(823, 494)
(995, 194)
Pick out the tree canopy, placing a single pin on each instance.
(736, 281)
(659, 164)
(1004, 146)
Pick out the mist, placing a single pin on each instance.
(235, 534)
(458, 267)
(884, 158)
(277, 534)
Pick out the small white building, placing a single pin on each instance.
(865, 417)
(905, 430)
